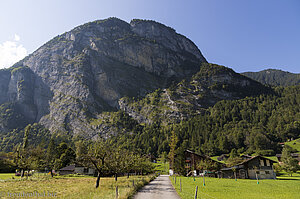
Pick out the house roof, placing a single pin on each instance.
(255, 158)
(230, 168)
(68, 168)
(203, 156)
(292, 154)
(246, 156)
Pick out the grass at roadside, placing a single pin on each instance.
(74, 187)
(283, 188)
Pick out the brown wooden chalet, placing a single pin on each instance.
(192, 159)
(249, 168)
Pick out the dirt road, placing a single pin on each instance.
(159, 188)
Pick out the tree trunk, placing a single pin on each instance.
(22, 173)
(51, 173)
(116, 177)
(128, 175)
(98, 180)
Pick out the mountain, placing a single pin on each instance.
(274, 77)
(109, 78)
(81, 73)
(192, 96)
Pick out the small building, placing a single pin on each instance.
(294, 155)
(249, 168)
(76, 169)
(192, 159)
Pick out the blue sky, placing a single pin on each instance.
(246, 35)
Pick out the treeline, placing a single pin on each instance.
(104, 156)
(250, 125)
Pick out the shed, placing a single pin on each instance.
(76, 169)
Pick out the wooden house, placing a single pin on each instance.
(192, 159)
(250, 168)
(76, 169)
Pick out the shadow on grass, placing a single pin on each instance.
(291, 178)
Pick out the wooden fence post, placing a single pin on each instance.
(117, 192)
(196, 192)
(180, 185)
(235, 176)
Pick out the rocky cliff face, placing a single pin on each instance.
(192, 96)
(81, 73)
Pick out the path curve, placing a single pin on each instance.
(159, 188)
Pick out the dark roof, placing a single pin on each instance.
(255, 158)
(68, 168)
(203, 156)
(230, 168)
(246, 156)
(292, 154)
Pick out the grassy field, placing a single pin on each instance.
(295, 144)
(6, 176)
(283, 188)
(72, 187)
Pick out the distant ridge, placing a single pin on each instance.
(274, 77)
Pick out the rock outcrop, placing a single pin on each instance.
(192, 96)
(77, 75)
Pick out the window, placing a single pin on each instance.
(268, 163)
(267, 172)
(257, 172)
(262, 163)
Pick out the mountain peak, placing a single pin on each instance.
(88, 69)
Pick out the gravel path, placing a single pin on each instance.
(160, 188)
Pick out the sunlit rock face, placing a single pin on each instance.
(76, 76)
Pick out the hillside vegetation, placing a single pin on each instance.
(252, 125)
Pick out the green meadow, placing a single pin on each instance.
(295, 144)
(282, 188)
(72, 187)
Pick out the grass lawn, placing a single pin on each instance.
(5, 176)
(73, 187)
(295, 144)
(283, 188)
